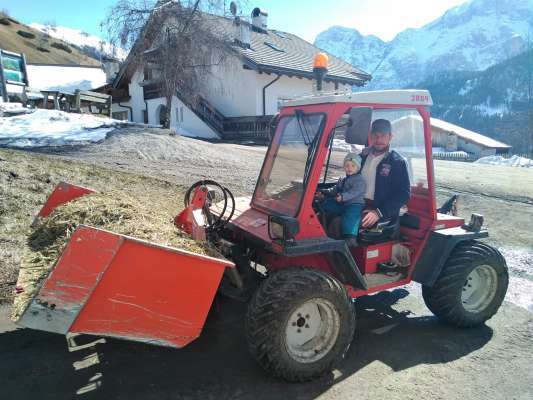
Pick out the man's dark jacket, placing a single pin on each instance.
(393, 188)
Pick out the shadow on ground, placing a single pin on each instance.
(218, 365)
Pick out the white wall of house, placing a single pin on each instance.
(444, 139)
(231, 89)
(238, 92)
(137, 97)
(451, 142)
(474, 148)
(286, 87)
(182, 119)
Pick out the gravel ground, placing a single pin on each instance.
(178, 159)
(400, 350)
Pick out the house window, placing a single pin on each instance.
(179, 114)
(274, 47)
(120, 115)
(148, 73)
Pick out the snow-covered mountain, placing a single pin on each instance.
(90, 44)
(472, 36)
(495, 102)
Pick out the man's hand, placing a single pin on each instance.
(370, 219)
(338, 198)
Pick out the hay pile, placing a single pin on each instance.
(114, 211)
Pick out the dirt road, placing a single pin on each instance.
(400, 351)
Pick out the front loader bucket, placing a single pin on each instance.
(113, 285)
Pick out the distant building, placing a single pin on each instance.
(243, 92)
(453, 138)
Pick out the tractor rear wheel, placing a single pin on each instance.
(300, 323)
(471, 286)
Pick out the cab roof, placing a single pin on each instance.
(415, 97)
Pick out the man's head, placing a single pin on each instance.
(352, 163)
(380, 135)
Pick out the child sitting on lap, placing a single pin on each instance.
(346, 198)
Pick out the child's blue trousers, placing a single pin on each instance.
(350, 215)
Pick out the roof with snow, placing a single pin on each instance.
(277, 52)
(463, 133)
(468, 135)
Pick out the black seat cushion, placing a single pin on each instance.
(384, 231)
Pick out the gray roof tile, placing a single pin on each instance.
(295, 58)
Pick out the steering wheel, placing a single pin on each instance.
(214, 220)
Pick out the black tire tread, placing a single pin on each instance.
(273, 301)
(442, 298)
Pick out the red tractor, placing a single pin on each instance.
(300, 279)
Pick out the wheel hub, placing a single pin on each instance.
(479, 288)
(312, 330)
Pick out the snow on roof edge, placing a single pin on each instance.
(468, 134)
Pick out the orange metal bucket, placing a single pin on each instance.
(114, 285)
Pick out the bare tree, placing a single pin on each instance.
(175, 42)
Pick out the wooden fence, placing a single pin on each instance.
(471, 157)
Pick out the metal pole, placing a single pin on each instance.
(2, 78)
(264, 92)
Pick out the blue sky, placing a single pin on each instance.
(383, 18)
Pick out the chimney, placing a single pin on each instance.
(259, 20)
(243, 32)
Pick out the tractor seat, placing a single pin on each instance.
(383, 231)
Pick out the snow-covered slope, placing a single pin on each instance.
(472, 36)
(83, 40)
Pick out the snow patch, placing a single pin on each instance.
(514, 161)
(341, 145)
(15, 108)
(53, 128)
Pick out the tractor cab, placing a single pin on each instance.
(311, 139)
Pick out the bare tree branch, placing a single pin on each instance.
(175, 41)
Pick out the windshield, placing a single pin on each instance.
(286, 170)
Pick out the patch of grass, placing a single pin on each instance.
(13, 20)
(5, 21)
(26, 180)
(26, 34)
(61, 46)
(43, 49)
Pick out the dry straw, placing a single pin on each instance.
(114, 211)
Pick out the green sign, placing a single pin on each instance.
(13, 67)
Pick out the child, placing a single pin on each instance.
(346, 198)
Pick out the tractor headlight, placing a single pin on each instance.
(282, 228)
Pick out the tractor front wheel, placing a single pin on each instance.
(471, 286)
(300, 323)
